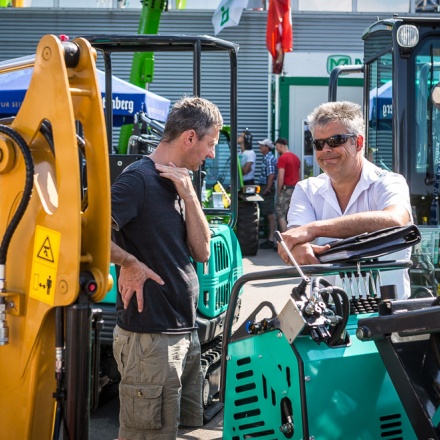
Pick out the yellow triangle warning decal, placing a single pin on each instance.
(45, 251)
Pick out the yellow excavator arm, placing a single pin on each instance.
(55, 240)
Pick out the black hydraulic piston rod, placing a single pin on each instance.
(78, 348)
(78, 362)
(59, 360)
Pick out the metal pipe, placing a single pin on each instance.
(334, 75)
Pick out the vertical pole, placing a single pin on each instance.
(269, 95)
(277, 108)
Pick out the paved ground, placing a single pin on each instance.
(104, 422)
(254, 293)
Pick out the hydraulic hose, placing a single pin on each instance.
(342, 308)
(46, 131)
(340, 327)
(27, 193)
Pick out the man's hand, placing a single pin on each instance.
(197, 228)
(319, 249)
(180, 177)
(303, 254)
(297, 235)
(132, 278)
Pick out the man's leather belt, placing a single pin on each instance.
(288, 186)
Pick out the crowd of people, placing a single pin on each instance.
(277, 180)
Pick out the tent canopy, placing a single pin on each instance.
(127, 98)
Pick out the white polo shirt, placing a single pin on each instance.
(245, 157)
(315, 199)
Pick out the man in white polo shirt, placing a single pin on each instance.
(351, 197)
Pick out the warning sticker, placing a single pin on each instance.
(45, 264)
(46, 251)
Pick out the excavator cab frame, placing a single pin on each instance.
(401, 71)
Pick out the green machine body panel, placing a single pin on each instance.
(334, 393)
(218, 275)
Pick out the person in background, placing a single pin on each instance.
(351, 197)
(159, 229)
(288, 176)
(267, 182)
(248, 158)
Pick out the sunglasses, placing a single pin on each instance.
(333, 141)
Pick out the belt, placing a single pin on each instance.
(288, 187)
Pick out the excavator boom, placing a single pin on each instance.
(55, 245)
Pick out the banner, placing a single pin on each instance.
(279, 36)
(228, 14)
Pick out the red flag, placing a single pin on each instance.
(279, 36)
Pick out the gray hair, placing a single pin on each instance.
(192, 113)
(347, 113)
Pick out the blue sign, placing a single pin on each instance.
(127, 99)
(381, 105)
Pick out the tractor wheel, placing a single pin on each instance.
(248, 222)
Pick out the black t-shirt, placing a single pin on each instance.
(150, 219)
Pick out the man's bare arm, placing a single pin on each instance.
(346, 226)
(270, 183)
(280, 179)
(246, 167)
(132, 275)
(197, 229)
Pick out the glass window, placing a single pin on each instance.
(218, 169)
(380, 113)
(427, 115)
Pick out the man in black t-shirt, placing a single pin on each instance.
(158, 227)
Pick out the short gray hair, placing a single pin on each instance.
(192, 113)
(347, 113)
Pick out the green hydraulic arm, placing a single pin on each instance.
(142, 68)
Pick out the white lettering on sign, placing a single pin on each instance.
(387, 110)
(121, 104)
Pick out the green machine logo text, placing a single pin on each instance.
(340, 60)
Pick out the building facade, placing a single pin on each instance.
(268, 105)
